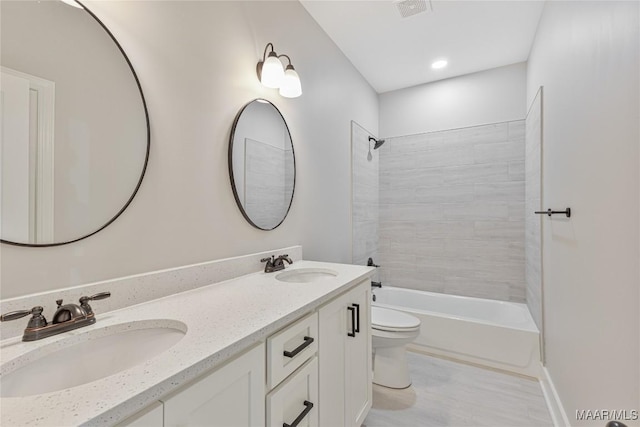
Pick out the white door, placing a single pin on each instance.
(26, 157)
(15, 159)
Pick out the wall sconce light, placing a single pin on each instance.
(272, 74)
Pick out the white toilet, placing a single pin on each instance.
(391, 331)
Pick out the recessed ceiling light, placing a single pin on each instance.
(441, 63)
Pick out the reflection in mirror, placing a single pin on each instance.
(262, 164)
(75, 137)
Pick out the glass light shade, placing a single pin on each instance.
(441, 63)
(272, 72)
(291, 87)
(72, 3)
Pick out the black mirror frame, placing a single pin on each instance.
(146, 158)
(230, 163)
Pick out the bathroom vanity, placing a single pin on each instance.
(258, 349)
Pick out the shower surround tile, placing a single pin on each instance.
(500, 152)
(533, 263)
(476, 174)
(451, 211)
(267, 191)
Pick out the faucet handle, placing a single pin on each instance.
(284, 257)
(20, 313)
(270, 263)
(84, 301)
(37, 320)
(101, 295)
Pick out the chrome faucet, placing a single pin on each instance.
(66, 318)
(275, 264)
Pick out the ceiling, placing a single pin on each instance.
(393, 52)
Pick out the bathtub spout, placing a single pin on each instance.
(376, 284)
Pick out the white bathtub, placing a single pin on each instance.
(496, 334)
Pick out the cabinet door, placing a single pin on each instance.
(149, 417)
(358, 378)
(344, 355)
(231, 396)
(332, 328)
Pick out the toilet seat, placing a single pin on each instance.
(384, 319)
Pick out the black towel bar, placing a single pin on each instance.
(550, 212)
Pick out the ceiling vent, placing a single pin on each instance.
(409, 8)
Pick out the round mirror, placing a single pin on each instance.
(75, 128)
(262, 164)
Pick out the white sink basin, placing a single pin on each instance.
(306, 275)
(89, 356)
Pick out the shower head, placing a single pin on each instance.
(378, 142)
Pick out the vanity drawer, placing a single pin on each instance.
(294, 402)
(290, 348)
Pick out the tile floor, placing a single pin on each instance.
(446, 393)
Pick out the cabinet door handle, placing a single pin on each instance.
(353, 322)
(357, 328)
(308, 406)
(307, 342)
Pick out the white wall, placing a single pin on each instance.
(196, 62)
(491, 96)
(586, 56)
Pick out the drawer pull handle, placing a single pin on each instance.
(353, 322)
(308, 406)
(307, 342)
(357, 306)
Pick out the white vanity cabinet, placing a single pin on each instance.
(344, 355)
(230, 396)
(314, 372)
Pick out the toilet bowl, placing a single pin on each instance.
(391, 330)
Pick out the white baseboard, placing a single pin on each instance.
(558, 414)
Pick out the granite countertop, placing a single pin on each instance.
(222, 320)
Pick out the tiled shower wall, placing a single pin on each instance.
(533, 253)
(364, 191)
(268, 182)
(452, 211)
